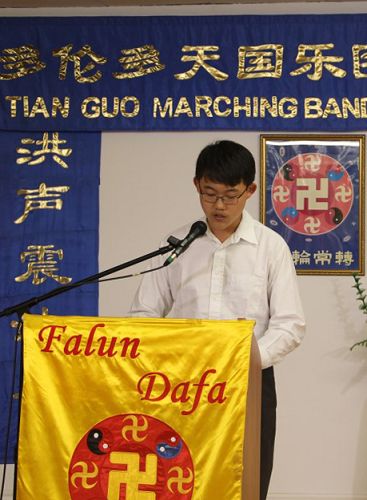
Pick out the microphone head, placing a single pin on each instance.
(199, 227)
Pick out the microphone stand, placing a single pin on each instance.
(24, 307)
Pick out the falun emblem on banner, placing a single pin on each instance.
(131, 456)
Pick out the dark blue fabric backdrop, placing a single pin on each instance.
(58, 242)
(184, 73)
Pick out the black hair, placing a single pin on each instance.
(226, 162)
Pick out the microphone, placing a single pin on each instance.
(197, 229)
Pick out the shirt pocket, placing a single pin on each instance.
(247, 295)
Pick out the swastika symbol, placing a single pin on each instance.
(134, 428)
(132, 477)
(84, 474)
(312, 193)
(312, 163)
(281, 193)
(180, 480)
(343, 194)
(312, 225)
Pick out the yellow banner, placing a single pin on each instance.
(135, 409)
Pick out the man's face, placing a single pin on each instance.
(223, 215)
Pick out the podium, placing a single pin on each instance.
(125, 404)
(251, 455)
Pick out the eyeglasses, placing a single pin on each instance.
(226, 199)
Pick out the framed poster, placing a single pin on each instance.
(312, 194)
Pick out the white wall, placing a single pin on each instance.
(146, 191)
(321, 450)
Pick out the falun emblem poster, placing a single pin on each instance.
(313, 196)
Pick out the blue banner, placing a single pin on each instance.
(49, 206)
(297, 72)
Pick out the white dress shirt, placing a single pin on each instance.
(250, 275)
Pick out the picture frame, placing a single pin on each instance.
(312, 194)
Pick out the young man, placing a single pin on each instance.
(238, 269)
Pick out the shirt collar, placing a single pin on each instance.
(246, 230)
